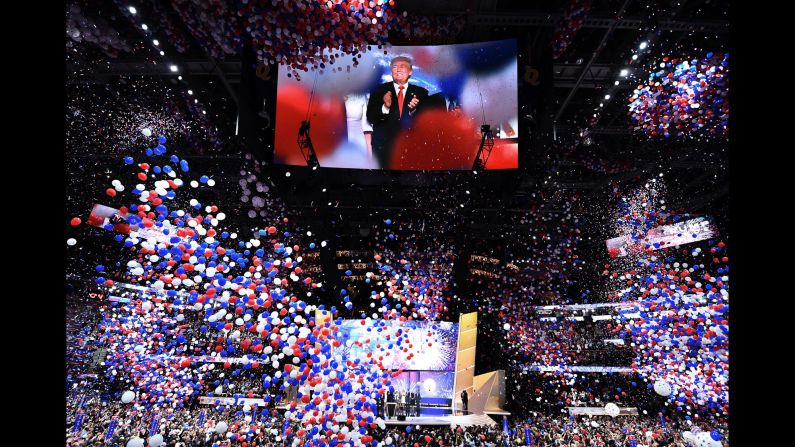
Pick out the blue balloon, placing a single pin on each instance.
(128, 160)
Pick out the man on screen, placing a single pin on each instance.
(391, 108)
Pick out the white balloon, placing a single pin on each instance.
(612, 409)
(486, 95)
(156, 440)
(662, 388)
(147, 133)
(704, 439)
(135, 441)
(71, 241)
(127, 397)
(221, 427)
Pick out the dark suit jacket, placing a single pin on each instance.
(387, 126)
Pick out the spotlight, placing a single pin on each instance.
(132, 9)
(624, 72)
(643, 45)
(156, 42)
(174, 69)
(607, 96)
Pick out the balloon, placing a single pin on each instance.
(348, 155)
(221, 427)
(135, 442)
(441, 61)
(327, 133)
(127, 397)
(662, 388)
(486, 95)
(76, 221)
(612, 409)
(156, 440)
(704, 439)
(146, 131)
(454, 137)
(71, 241)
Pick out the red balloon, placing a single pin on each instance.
(438, 140)
(111, 192)
(504, 155)
(76, 221)
(427, 439)
(328, 123)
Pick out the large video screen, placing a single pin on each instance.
(422, 346)
(403, 108)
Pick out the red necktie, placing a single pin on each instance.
(400, 100)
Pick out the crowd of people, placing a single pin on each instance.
(110, 423)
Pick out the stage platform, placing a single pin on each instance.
(464, 421)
